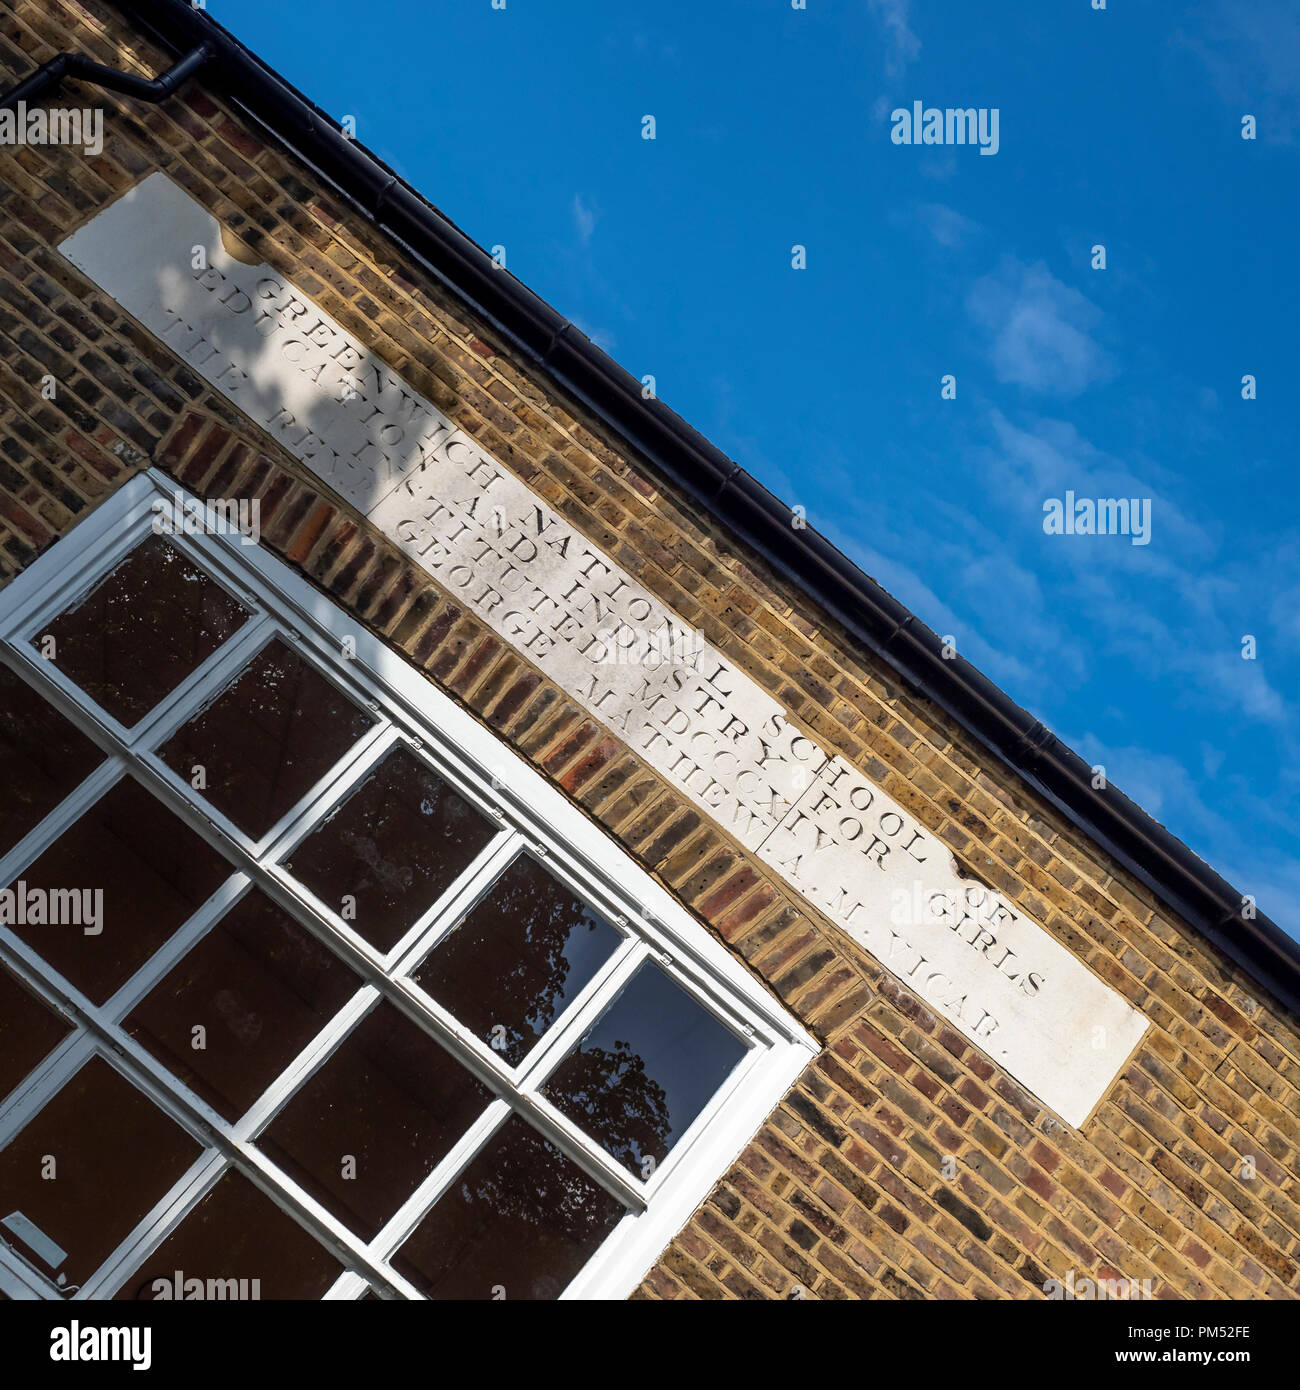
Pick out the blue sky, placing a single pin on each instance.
(1120, 127)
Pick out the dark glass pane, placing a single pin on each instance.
(390, 1100)
(236, 1244)
(131, 864)
(260, 987)
(141, 630)
(114, 1155)
(392, 847)
(518, 958)
(266, 739)
(28, 1031)
(521, 1216)
(644, 1070)
(42, 758)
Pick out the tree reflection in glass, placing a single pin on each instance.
(644, 1070)
(518, 1223)
(518, 958)
(141, 630)
(397, 842)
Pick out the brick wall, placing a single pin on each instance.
(845, 1192)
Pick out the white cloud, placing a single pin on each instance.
(946, 225)
(940, 166)
(1047, 457)
(602, 337)
(1252, 54)
(903, 45)
(584, 219)
(1153, 780)
(1161, 785)
(1039, 329)
(1172, 608)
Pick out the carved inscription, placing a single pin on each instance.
(504, 553)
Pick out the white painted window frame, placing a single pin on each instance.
(531, 816)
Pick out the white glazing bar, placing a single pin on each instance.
(312, 1057)
(311, 813)
(51, 1076)
(40, 1083)
(174, 709)
(567, 1031)
(356, 752)
(156, 1225)
(455, 904)
(41, 591)
(409, 1215)
(347, 1288)
(70, 810)
(176, 947)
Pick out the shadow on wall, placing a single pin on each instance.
(275, 354)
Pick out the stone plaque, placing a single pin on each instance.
(504, 553)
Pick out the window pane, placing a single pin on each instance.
(521, 1216)
(130, 863)
(43, 756)
(28, 1031)
(644, 1070)
(235, 1244)
(392, 848)
(141, 630)
(518, 958)
(113, 1153)
(266, 739)
(259, 987)
(374, 1121)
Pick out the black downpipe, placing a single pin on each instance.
(78, 68)
(736, 500)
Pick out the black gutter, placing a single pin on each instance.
(738, 501)
(80, 69)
